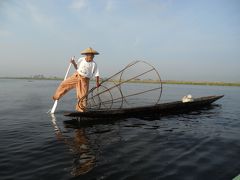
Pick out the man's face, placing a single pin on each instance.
(89, 57)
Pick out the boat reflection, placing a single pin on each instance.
(84, 158)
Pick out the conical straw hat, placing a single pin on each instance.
(89, 51)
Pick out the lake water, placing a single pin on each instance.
(200, 145)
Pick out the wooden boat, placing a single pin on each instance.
(176, 107)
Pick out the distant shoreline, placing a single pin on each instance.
(202, 83)
(147, 81)
(30, 78)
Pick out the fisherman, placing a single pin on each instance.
(86, 69)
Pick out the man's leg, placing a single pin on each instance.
(82, 90)
(65, 86)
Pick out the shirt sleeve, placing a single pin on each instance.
(96, 70)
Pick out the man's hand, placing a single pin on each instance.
(97, 85)
(73, 62)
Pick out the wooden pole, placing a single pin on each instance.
(56, 101)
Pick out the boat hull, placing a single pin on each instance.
(176, 107)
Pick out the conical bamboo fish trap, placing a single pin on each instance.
(138, 84)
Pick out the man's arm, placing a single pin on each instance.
(74, 63)
(97, 81)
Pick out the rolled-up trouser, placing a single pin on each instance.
(81, 84)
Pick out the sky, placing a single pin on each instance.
(193, 40)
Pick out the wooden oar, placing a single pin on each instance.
(56, 101)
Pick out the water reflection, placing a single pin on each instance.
(83, 157)
(86, 138)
